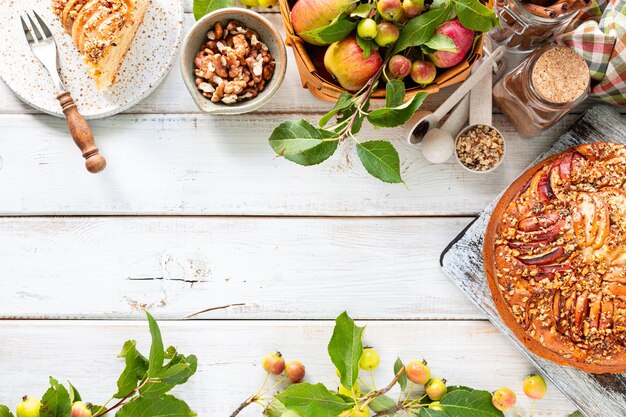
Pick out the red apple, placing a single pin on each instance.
(308, 15)
(344, 60)
(462, 37)
(399, 66)
(423, 72)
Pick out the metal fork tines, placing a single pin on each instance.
(42, 44)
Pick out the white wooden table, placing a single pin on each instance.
(196, 212)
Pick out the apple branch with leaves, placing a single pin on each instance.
(305, 144)
(421, 394)
(142, 388)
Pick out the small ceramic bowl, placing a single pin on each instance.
(456, 154)
(198, 37)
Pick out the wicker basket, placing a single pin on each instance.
(324, 87)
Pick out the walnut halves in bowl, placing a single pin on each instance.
(233, 61)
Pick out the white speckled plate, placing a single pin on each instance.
(146, 65)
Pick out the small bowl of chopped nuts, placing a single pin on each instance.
(233, 61)
(479, 148)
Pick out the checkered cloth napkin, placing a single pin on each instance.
(599, 36)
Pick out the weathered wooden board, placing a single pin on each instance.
(188, 165)
(177, 266)
(595, 395)
(230, 353)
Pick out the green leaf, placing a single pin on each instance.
(5, 412)
(475, 15)
(312, 400)
(382, 403)
(165, 379)
(462, 403)
(156, 349)
(421, 29)
(135, 370)
(302, 143)
(367, 45)
(345, 348)
(74, 395)
(394, 95)
(396, 116)
(574, 414)
(429, 412)
(362, 10)
(343, 102)
(165, 406)
(402, 381)
(56, 401)
(203, 7)
(96, 409)
(338, 29)
(441, 43)
(381, 160)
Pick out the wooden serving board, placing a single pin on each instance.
(462, 262)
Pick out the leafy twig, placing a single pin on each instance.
(121, 402)
(243, 405)
(371, 396)
(392, 410)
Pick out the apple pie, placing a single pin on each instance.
(102, 31)
(555, 256)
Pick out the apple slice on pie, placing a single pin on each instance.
(102, 31)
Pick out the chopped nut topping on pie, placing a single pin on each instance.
(560, 255)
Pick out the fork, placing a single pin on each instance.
(44, 47)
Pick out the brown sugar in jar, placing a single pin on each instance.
(542, 89)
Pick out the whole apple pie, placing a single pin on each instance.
(102, 31)
(555, 256)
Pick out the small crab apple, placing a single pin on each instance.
(387, 35)
(367, 29)
(357, 411)
(268, 3)
(356, 390)
(370, 359)
(418, 372)
(390, 10)
(423, 72)
(294, 371)
(436, 389)
(29, 407)
(81, 409)
(412, 8)
(535, 387)
(503, 399)
(274, 363)
(399, 66)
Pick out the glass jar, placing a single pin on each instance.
(523, 31)
(518, 97)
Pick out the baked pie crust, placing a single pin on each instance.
(102, 31)
(555, 257)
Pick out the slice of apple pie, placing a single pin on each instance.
(102, 31)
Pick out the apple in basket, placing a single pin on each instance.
(463, 39)
(307, 15)
(344, 59)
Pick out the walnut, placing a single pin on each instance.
(234, 65)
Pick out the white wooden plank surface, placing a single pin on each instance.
(229, 356)
(384, 268)
(179, 164)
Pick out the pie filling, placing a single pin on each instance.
(102, 31)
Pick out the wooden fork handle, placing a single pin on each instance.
(82, 134)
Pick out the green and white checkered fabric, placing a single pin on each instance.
(602, 44)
